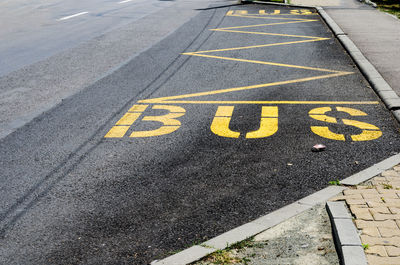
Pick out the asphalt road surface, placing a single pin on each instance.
(34, 30)
(208, 129)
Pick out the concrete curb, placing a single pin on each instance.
(250, 229)
(378, 83)
(347, 240)
(349, 250)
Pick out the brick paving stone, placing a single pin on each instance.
(372, 260)
(380, 210)
(377, 250)
(377, 179)
(364, 187)
(343, 197)
(388, 232)
(392, 202)
(364, 216)
(376, 209)
(392, 251)
(383, 217)
(371, 231)
(374, 241)
(388, 193)
(364, 224)
(381, 204)
(391, 173)
(355, 201)
(353, 191)
(394, 210)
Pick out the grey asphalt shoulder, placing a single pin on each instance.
(32, 90)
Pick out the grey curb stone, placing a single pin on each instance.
(372, 171)
(346, 232)
(372, 75)
(265, 222)
(347, 240)
(235, 235)
(186, 256)
(336, 210)
(354, 255)
(396, 114)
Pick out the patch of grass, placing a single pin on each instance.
(390, 6)
(334, 182)
(225, 256)
(365, 246)
(387, 186)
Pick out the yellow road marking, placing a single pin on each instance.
(272, 102)
(269, 115)
(254, 46)
(214, 92)
(269, 63)
(261, 25)
(369, 131)
(264, 17)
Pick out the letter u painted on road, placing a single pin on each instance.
(369, 131)
(268, 123)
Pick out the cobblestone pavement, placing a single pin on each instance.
(376, 208)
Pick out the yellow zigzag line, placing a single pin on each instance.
(331, 73)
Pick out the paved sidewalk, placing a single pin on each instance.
(376, 207)
(375, 33)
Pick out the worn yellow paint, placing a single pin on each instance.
(235, 89)
(351, 111)
(271, 63)
(359, 124)
(170, 108)
(268, 127)
(169, 121)
(322, 110)
(117, 132)
(268, 123)
(331, 73)
(157, 132)
(369, 131)
(272, 17)
(268, 112)
(367, 136)
(271, 102)
(128, 119)
(252, 47)
(262, 12)
(324, 118)
(138, 108)
(220, 127)
(325, 132)
(224, 111)
(221, 121)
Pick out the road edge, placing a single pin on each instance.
(265, 222)
(375, 79)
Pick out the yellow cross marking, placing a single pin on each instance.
(206, 54)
